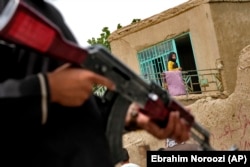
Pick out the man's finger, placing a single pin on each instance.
(98, 79)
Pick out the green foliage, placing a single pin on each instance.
(119, 26)
(135, 21)
(99, 90)
(102, 40)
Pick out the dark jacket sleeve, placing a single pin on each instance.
(25, 100)
(23, 93)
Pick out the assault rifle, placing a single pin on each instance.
(21, 24)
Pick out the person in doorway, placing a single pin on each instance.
(172, 64)
(173, 77)
(50, 117)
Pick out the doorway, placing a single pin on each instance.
(187, 60)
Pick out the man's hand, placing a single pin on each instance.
(176, 128)
(72, 86)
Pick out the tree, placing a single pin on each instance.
(103, 39)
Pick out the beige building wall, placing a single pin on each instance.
(231, 23)
(218, 30)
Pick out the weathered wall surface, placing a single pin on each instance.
(231, 24)
(228, 119)
(138, 143)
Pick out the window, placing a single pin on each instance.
(152, 60)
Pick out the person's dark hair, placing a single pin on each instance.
(170, 56)
(125, 155)
(175, 65)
